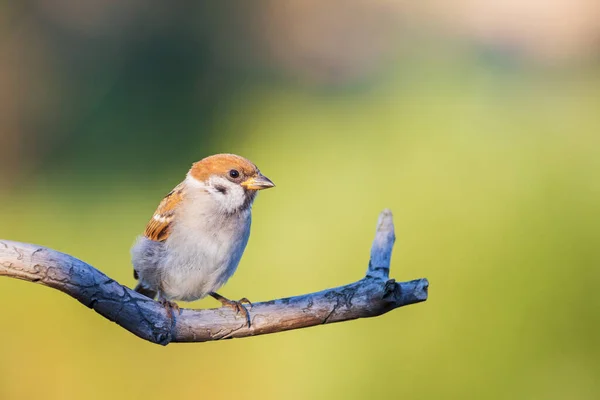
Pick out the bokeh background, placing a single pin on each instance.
(477, 122)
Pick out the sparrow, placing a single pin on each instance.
(197, 235)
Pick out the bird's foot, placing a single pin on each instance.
(237, 306)
(170, 306)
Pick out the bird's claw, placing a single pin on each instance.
(237, 306)
(244, 300)
(170, 306)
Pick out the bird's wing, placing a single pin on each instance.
(159, 227)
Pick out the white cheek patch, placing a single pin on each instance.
(230, 196)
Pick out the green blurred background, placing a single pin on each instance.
(476, 122)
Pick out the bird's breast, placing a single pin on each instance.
(202, 253)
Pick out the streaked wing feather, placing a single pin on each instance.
(159, 227)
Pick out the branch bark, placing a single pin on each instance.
(373, 295)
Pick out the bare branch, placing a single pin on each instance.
(373, 295)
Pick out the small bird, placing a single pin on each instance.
(197, 235)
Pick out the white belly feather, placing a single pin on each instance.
(202, 253)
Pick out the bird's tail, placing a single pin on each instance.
(145, 291)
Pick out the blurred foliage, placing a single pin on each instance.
(490, 164)
(493, 179)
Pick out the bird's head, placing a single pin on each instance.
(232, 181)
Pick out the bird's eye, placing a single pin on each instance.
(234, 173)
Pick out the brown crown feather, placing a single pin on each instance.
(221, 164)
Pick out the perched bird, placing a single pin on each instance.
(197, 235)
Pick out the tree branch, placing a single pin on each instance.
(371, 296)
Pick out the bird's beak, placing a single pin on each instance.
(259, 182)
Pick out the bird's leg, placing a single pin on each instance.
(170, 306)
(238, 306)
